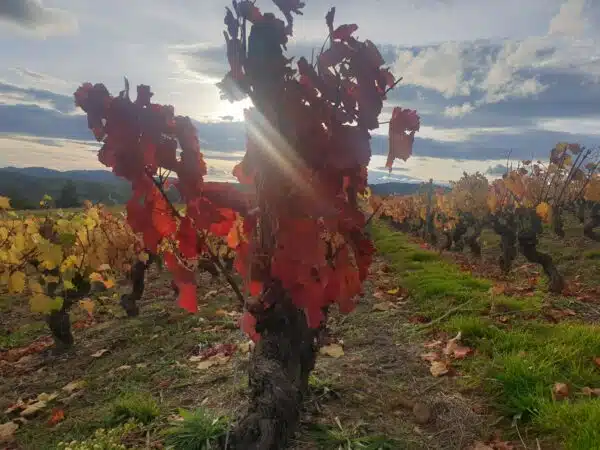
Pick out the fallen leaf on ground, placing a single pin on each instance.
(221, 313)
(452, 344)
(216, 360)
(431, 356)
(33, 409)
(432, 344)
(58, 415)
(7, 431)
(74, 386)
(333, 350)
(383, 306)
(438, 368)
(591, 392)
(19, 404)
(123, 367)
(461, 352)
(222, 349)
(99, 353)
(379, 295)
(37, 346)
(560, 391)
(393, 291)
(43, 397)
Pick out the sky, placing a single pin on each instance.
(489, 78)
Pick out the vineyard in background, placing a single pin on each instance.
(518, 207)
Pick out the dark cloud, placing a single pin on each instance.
(498, 169)
(211, 60)
(394, 169)
(228, 137)
(32, 14)
(62, 103)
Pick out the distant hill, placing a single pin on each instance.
(397, 187)
(27, 186)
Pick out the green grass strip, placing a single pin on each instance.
(517, 363)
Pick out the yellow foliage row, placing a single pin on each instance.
(531, 185)
(38, 251)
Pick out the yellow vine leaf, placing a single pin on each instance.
(16, 282)
(4, 203)
(42, 303)
(51, 255)
(544, 211)
(592, 190)
(95, 276)
(144, 257)
(88, 305)
(492, 202)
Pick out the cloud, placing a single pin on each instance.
(32, 15)
(498, 169)
(458, 110)
(569, 19)
(477, 73)
(16, 95)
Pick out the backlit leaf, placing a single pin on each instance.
(16, 282)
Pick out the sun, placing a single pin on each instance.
(232, 111)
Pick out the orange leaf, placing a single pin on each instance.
(58, 415)
(461, 352)
(595, 392)
(438, 368)
(560, 391)
(431, 356)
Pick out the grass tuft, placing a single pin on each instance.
(139, 406)
(199, 430)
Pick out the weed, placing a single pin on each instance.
(198, 430)
(139, 406)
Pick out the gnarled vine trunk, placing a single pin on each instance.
(59, 323)
(528, 245)
(457, 236)
(472, 240)
(278, 377)
(508, 244)
(591, 223)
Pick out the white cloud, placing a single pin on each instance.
(441, 68)
(495, 72)
(589, 126)
(423, 168)
(458, 110)
(569, 20)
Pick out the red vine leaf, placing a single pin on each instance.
(343, 32)
(401, 143)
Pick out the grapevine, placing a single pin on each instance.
(60, 259)
(299, 235)
(515, 206)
